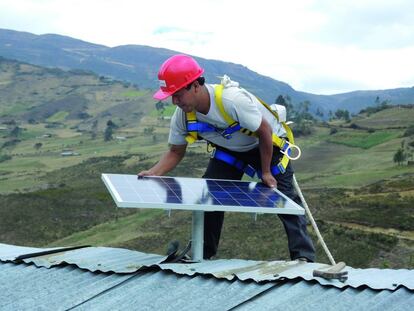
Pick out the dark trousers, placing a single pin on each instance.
(299, 242)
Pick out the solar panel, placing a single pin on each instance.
(197, 194)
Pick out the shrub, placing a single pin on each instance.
(333, 131)
(5, 157)
(10, 143)
(409, 131)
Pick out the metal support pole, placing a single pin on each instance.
(197, 243)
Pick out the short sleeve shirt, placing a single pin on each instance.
(242, 106)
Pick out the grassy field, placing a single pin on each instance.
(349, 158)
(358, 221)
(364, 139)
(28, 163)
(362, 201)
(397, 117)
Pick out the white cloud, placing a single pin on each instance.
(367, 24)
(316, 46)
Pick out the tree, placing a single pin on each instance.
(319, 112)
(94, 129)
(108, 133)
(280, 100)
(149, 130)
(306, 105)
(111, 124)
(37, 146)
(160, 106)
(342, 114)
(303, 120)
(15, 132)
(346, 116)
(409, 131)
(399, 156)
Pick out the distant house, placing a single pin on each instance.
(46, 135)
(120, 138)
(68, 153)
(3, 128)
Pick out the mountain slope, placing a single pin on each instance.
(139, 64)
(32, 93)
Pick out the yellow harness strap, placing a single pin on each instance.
(192, 136)
(277, 141)
(218, 94)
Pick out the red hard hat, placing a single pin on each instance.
(175, 73)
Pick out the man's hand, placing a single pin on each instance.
(146, 173)
(167, 162)
(269, 180)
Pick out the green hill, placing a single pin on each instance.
(362, 200)
(35, 94)
(44, 112)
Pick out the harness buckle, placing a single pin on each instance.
(213, 153)
(281, 168)
(224, 133)
(210, 148)
(288, 148)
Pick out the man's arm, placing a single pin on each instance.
(167, 162)
(264, 132)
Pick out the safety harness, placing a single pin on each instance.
(285, 145)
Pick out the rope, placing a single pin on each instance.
(315, 227)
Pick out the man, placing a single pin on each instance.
(181, 78)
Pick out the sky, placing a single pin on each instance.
(316, 46)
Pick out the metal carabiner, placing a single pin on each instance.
(291, 147)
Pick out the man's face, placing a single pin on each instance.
(184, 98)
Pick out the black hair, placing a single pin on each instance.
(200, 80)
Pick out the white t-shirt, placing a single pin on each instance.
(242, 106)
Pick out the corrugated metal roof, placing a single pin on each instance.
(27, 287)
(305, 296)
(104, 259)
(279, 270)
(11, 252)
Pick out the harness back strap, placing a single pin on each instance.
(277, 141)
